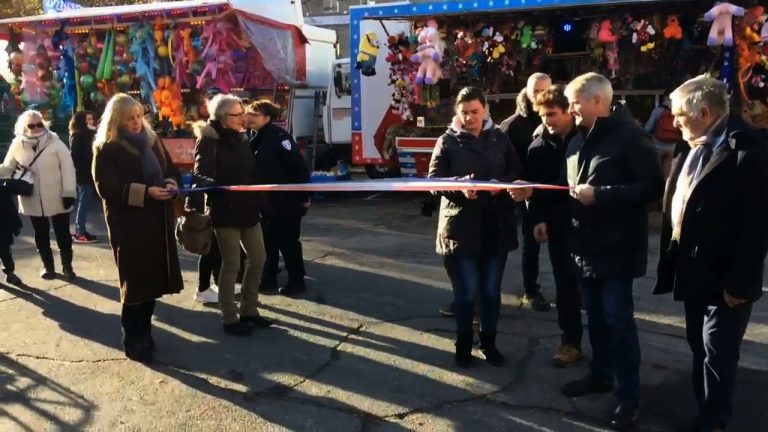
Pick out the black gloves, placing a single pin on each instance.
(68, 202)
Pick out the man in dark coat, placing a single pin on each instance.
(614, 174)
(10, 226)
(548, 211)
(714, 239)
(520, 127)
(278, 161)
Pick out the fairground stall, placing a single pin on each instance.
(170, 56)
(411, 60)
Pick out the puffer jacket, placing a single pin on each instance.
(223, 157)
(485, 225)
(53, 172)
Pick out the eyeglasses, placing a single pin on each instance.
(240, 114)
(33, 126)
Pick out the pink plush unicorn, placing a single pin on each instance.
(721, 32)
(429, 54)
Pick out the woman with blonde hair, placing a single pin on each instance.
(38, 150)
(137, 181)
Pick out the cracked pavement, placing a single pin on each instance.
(363, 350)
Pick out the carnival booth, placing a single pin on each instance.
(170, 56)
(420, 55)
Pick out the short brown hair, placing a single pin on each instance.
(553, 97)
(267, 108)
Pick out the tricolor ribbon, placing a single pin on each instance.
(398, 185)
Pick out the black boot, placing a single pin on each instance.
(488, 348)
(66, 263)
(49, 270)
(268, 283)
(463, 356)
(134, 342)
(148, 310)
(293, 287)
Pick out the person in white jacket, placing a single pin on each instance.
(54, 188)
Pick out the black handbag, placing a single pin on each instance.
(22, 180)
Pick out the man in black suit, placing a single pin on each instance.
(714, 238)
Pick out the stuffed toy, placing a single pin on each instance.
(475, 61)
(605, 34)
(748, 26)
(764, 30)
(642, 35)
(673, 29)
(429, 55)
(526, 36)
(497, 48)
(612, 54)
(549, 44)
(721, 32)
(367, 53)
(594, 30)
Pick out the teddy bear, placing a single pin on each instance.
(605, 34)
(721, 32)
(429, 55)
(673, 29)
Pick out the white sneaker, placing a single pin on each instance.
(238, 288)
(207, 296)
(214, 288)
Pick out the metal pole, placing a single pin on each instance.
(315, 112)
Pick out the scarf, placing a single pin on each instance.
(150, 166)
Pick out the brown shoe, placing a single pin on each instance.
(566, 356)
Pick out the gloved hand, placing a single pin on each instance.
(68, 202)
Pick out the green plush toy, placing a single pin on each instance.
(526, 37)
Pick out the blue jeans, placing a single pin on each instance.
(84, 195)
(470, 276)
(613, 334)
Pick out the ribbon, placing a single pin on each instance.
(397, 185)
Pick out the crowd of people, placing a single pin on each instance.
(124, 162)
(714, 238)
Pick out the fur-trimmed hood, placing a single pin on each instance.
(204, 129)
(456, 128)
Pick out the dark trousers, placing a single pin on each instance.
(613, 334)
(473, 276)
(714, 334)
(42, 229)
(567, 288)
(137, 322)
(530, 256)
(281, 235)
(209, 265)
(6, 258)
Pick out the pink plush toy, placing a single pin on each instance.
(429, 55)
(721, 32)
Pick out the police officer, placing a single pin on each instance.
(278, 160)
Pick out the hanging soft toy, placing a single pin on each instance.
(643, 31)
(748, 27)
(367, 53)
(673, 29)
(721, 16)
(606, 36)
(221, 41)
(429, 55)
(526, 36)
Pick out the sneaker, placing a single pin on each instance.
(536, 302)
(238, 328)
(207, 296)
(587, 385)
(447, 311)
(238, 288)
(293, 287)
(12, 279)
(84, 238)
(566, 356)
(256, 321)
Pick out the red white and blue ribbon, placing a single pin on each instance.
(388, 185)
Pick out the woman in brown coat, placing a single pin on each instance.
(137, 181)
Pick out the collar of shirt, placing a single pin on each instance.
(715, 136)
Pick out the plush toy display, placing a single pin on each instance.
(673, 29)
(429, 55)
(366, 56)
(721, 16)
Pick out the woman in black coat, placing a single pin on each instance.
(476, 230)
(82, 129)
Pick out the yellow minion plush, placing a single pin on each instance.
(366, 56)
